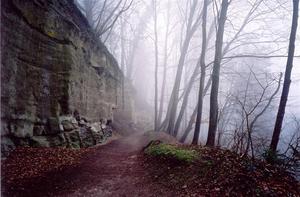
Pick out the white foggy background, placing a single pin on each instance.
(272, 28)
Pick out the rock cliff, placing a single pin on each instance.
(59, 84)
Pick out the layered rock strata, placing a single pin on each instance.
(53, 70)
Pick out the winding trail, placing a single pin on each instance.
(114, 169)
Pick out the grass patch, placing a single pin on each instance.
(172, 151)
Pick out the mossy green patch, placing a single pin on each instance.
(172, 151)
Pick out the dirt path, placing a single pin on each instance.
(111, 170)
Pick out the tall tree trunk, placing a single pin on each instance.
(287, 79)
(172, 107)
(202, 76)
(123, 61)
(186, 98)
(189, 86)
(195, 73)
(193, 117)
(156, 68)
(213, 113)
(190, 125)
(163, 85)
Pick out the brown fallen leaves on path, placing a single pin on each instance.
(26, 162)
(120, 168)
(113, 169)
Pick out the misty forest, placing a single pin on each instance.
(150, 98)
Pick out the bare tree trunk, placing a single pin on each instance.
(163, 85)
(189, 87)
(190, 125)
(249, 139)
(156, 68)
(185, 98)
(183, 116)
(213, 114)
(162, 93)
(202, 76)
(172, 107)
(123, 60)
(225, 50)
(193, 117)
(287, 79)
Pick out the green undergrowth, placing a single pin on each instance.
(173, 151)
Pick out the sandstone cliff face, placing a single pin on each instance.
(53, 73)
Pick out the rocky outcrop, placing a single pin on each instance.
(53, 71)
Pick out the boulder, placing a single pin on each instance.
(82, 122)
(107, 131)
(57, 140)
(40, 141)
(54, 126)
(21, 128)
(22, 141)
(98, 132)
(7, 145)
(39, 130)
(86, 137)
(73, 139)
(4, 128)
(95, 127)
(68, 126)
(68, 123)
(99, 137)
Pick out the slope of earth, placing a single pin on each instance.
(120, 168)
(196, 170)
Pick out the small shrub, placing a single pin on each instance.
(172, 151)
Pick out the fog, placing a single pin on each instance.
(150, 98)
(255, 45)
